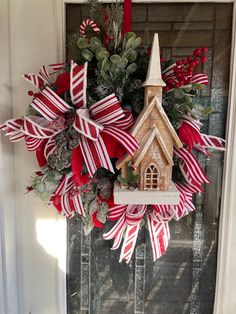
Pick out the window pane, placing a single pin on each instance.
(182, 281)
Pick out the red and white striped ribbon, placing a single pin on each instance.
(134, 216)
(213, 142)
(13, 129)
(34, 79)
(124, 138)
(95, 155)
(87, 23)
(40, 79)
(191, 166)
(44, 75)
(107, 111)
(71, 204)
(200, 78)
(130, 217)
(37, 127)
(50, 147)
(126, 122)
(116, 232)
(57, 66)
(70, 199)
(116, 211)
(33, 143)
(49, 104)
(159, 234)
(78, 84)
(85, 126)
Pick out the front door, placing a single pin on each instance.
(182, 281)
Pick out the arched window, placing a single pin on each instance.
(151, 177)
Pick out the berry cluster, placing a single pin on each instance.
(182, 72)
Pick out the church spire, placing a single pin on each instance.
(154, 68)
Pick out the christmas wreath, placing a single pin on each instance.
(78, 123)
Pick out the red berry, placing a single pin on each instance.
(190, 69)
(197, 62)
(30, 93)
(197, 52)
(162, 59)
(185, 61)
(189, 58)
(203, 59)
(164, 77)
(203, 49)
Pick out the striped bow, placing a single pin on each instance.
(130, 219)
(158, 216)
(105, 119)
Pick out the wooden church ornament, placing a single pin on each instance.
(152, 163)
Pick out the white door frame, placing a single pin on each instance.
(225, 295)
(225, 292)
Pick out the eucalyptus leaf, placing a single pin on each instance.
(132, 56)
(129, 43)
(132, 68)
(130, 35)
(87, 54)
(116, 59)
(95, 43)
(104, 75)
(102, 53)
(136, 43)
(83, 43)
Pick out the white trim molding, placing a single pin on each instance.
(225, 295)
(9, 298)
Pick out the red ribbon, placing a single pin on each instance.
(127, 16)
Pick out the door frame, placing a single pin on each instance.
(225, 292)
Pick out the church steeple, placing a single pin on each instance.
(154, 77)
(154, 83)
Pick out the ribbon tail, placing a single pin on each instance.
(129, 242)
(116, 232)
(159, 235)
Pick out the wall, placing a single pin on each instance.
(29, 35)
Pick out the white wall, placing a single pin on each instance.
(37, 241)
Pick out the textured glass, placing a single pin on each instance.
(182, 281)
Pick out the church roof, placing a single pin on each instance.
(153, 134)
(144, 114)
